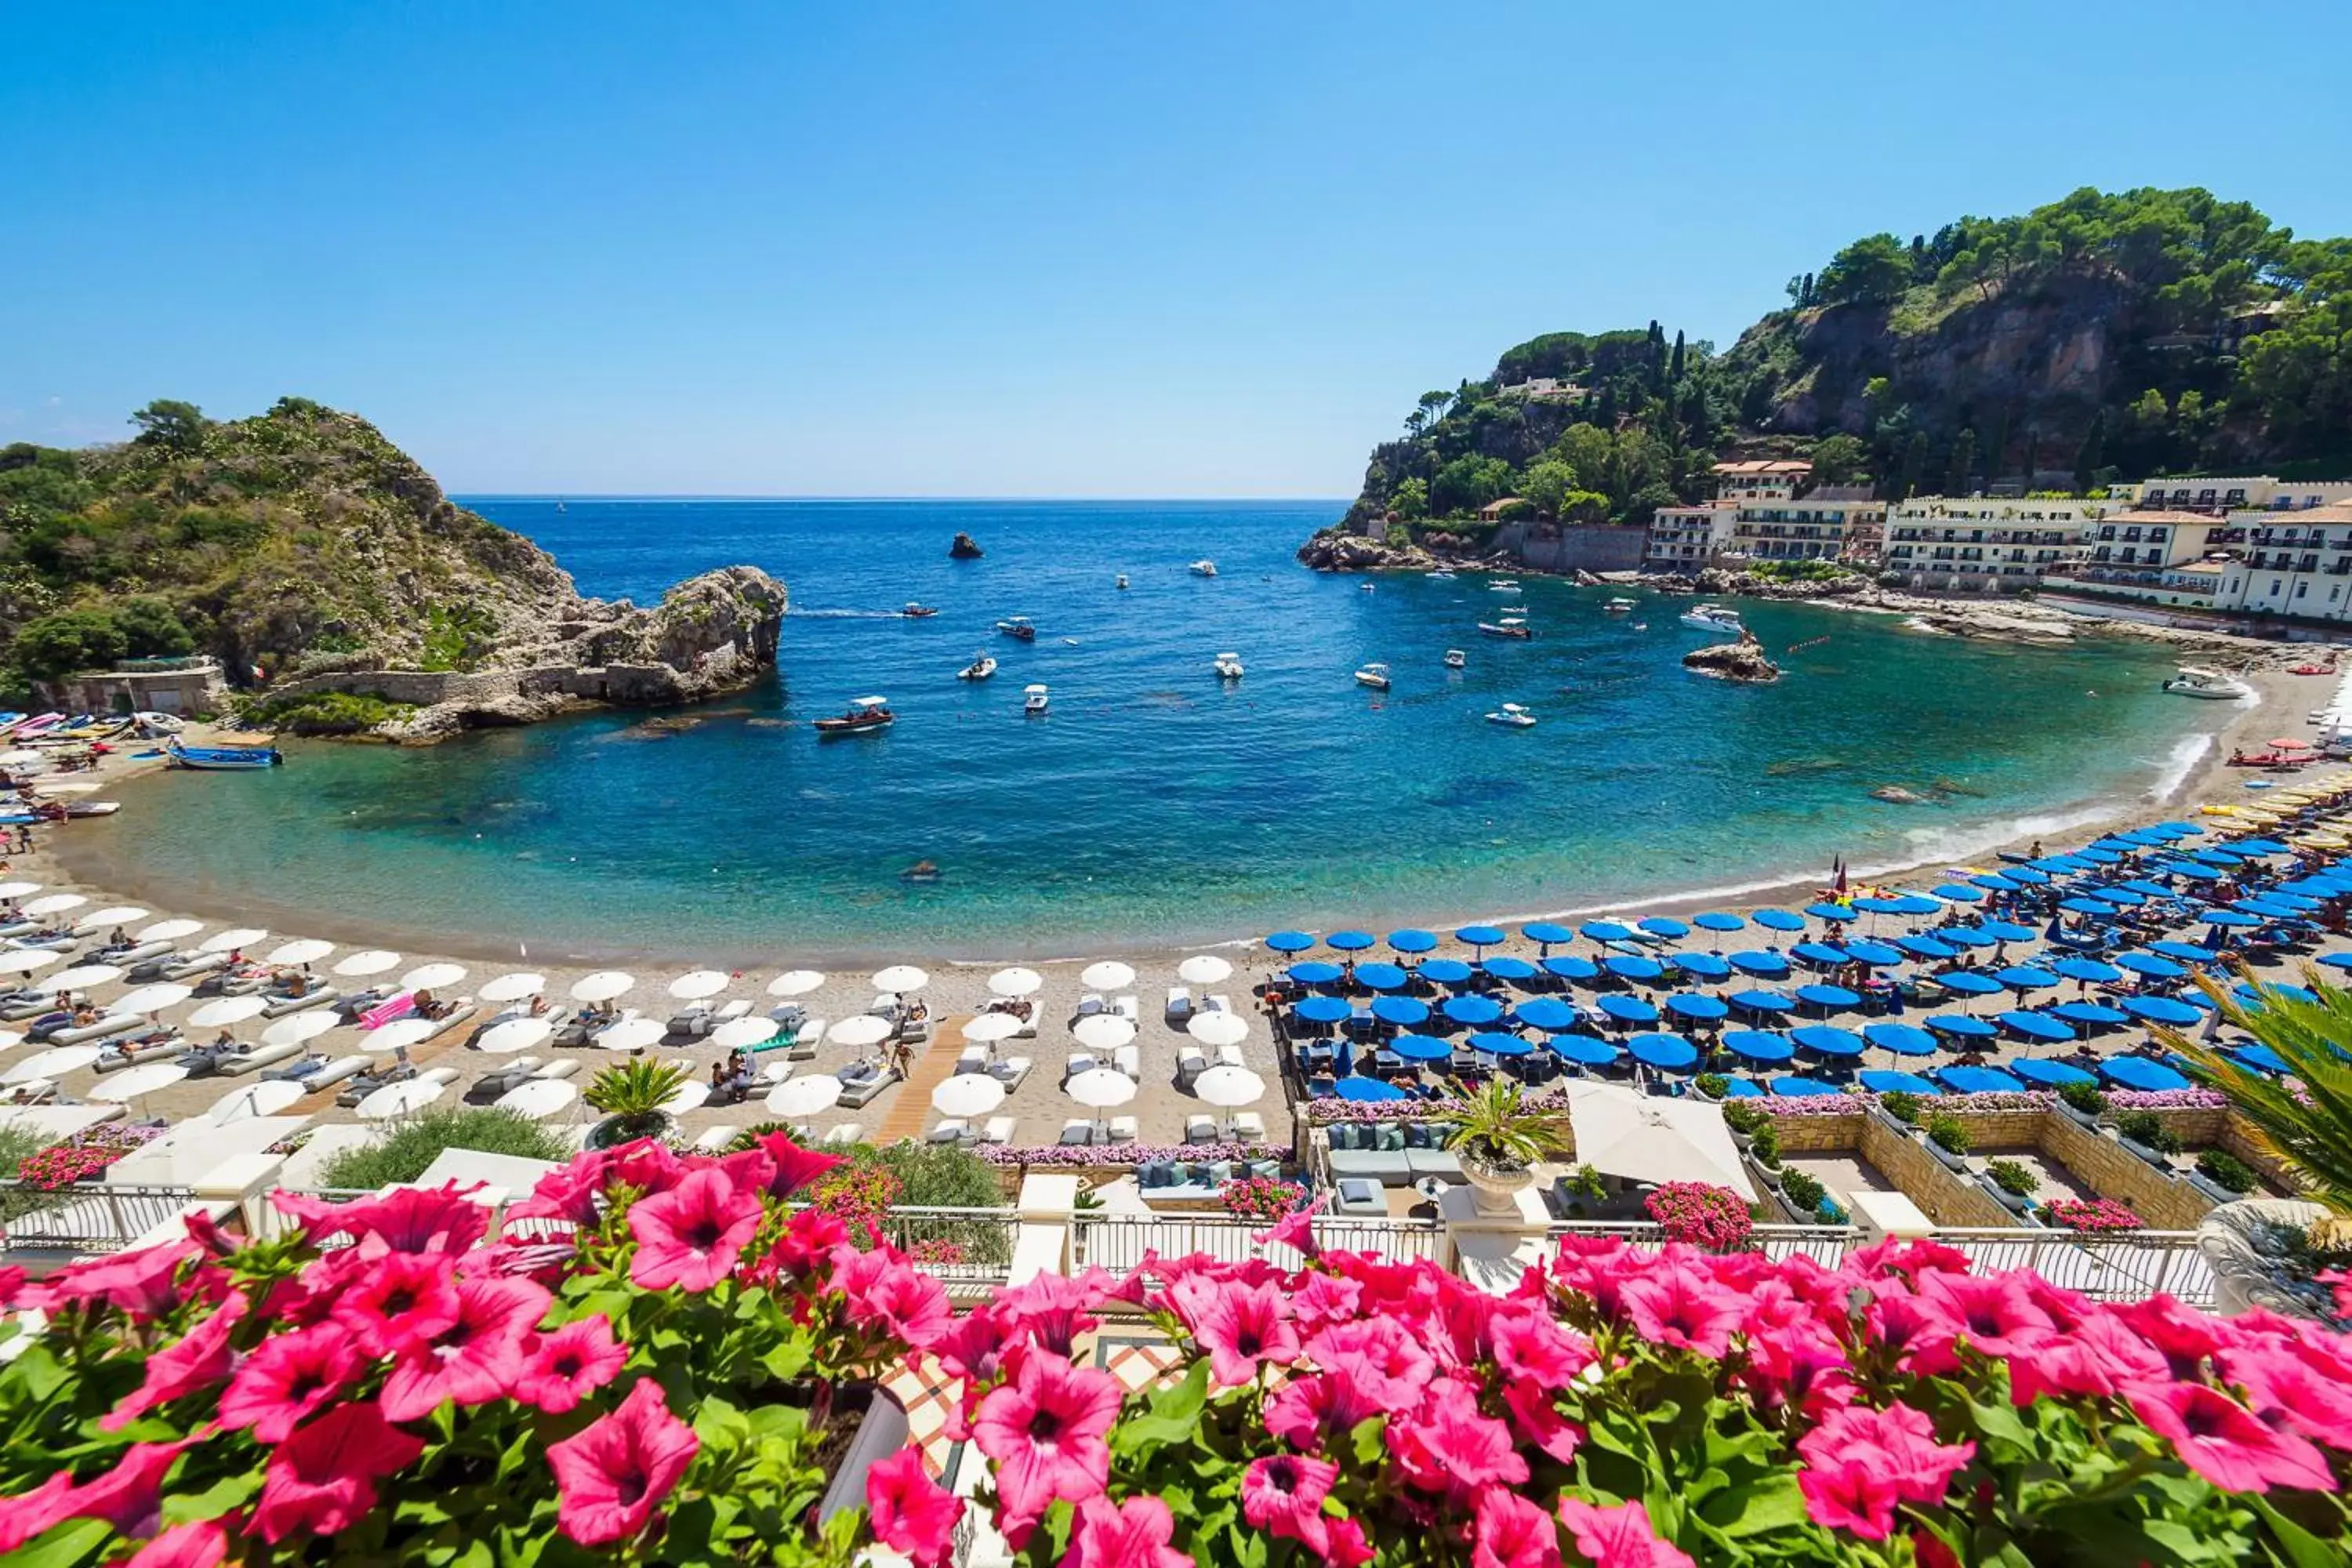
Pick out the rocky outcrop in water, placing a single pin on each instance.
(1339, 550)
(1744, 661)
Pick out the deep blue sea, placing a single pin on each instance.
(1154, 803)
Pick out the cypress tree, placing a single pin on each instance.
(2092, 453)
(1674, 367)
(1914, 457)
(1964, 457)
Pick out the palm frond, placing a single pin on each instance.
(2307, 1115)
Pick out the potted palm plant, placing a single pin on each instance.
(1499, 1142)
(632, 1095)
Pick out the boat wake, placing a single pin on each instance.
(800, 615)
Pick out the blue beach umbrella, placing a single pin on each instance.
(1924, 947)
(1404, 1011)
(1915, 904)
(1822, 1040)
(2190, 869)
(1632, 966)
(1960, 893)
(2229, 919)
(2138, 1072)
(1833, 996)
(2126, 898)
(1546, 1013)
(1584, 1050)
(1471, 1010)
(2263, 847)
(1820, 952)
(1322, 1010)
(2185, 951)
(1422, 1047)
(1290, 942)
(1313, 973)
(1717, 920)
(1685, 1005)
(1367, 1088)
(1443, 970)
(1670, 1052)
(1566, 965)
(1704, 965)
(1769, 964)
(1967, 983)
(1665, 926)
(1962, 936)
(1831, 913)
(1382, 977)
(1348, 941)
(2025, 977)
(1874, 905)
(1901, 1038)
(2153, 967)
(2097, 856)
(2259, 1057)
(1777, 920)
(1877, 954)
(2089, 969)
(1627, 1009)
(2048, 1074)
(2091, 1013)
(1546, 933)
(2026, 876)
(2036, 1026)
(1879, 1080)
(1412, 939)
(1763, 1001)
(2006, 930)
(1497, 1043)
(2091, 906)
(1977, 1081)
(1995, 883)
(1758, 1046)
(2338, 960)
(1803, 1087)
(1604, 931)
(2150, 890)
(1961, 1026)
(1479, 936)
(1503, 966)
(2161, 1010)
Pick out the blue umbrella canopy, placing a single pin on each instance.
(1444, 971)
(1960, 893)
(1566, 965)
(1967, 983)
(1367, 1088)
(1671, 1052)
(1503, 966)
(1705, 965)
(2126, 898)
(1546, 1013)
(1497, 1043)
(1313, 973)
(1632, 966)
(2161, 1010)
(1627, 1009)
(2263, 847)
(2091, 906)
(2268, 909)
(1977, 1081)
(1827, 996)
(1833, 913)
(2260, 1059)
(2005, 931)
(2049, 1074)
(2190, 869)
(2097, 856)
(1685, 1005)
(1348, 941)
(2229, 919)
(1665, 925)
(1915, 904)
(1777, 920)
(1604, 931)
(2152, 890)
(1879, 1080)
(1382, 976)
(2026, 876)
(2087, 969)
(1961, 1026)
(1717, 920)
(1822, 1040)
(1290, 942)
(1903, 1039)
(2211, 853)
(1763, 1001)
(2185, 951)
(1877, 954)
(1422, 1047)
(2338, 960)
(2088, 1013)
(1998, 881)
(1803, 1087)
(1924, 947)
(1402, 1010)
(2036, 1026)
(1962, 936)
(2025, 977)
(1820, 952)
(1873, 905)
(1758, 963)
(2153, 967)
(1758, 1046)
(1412, 939)
(1322, 1010)
(1582, 1049)
(1545, 933)
(1479, 936)
(1471, 1010)
(2138, 1072)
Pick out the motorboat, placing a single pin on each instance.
(982, 667)
(220, 759)
(1018, 627)
(1204, 567)
(1367, 587)
(1456, 659)
(1441, 576)
(1618, 608)
(963, 549)
(2193, 680)
(1034, 700)
(915, 612)
(1713, 619)
(1512, 715)
(1508, 626)
(1375, 676)
(1229, 666)
(1122, 581)
(865, 714)
(1504, 585)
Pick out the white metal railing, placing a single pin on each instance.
(1826, 1245)
(2113, 1266)
(1118, 1242)
(101, 1216)
(958, 1246)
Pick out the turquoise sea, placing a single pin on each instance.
(1154, 803)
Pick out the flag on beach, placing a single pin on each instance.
(1837, 875)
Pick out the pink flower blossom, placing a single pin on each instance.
(912, 1514)
(199, 1543)
(2222, 1441)
(1322, 1300)
(1535, 1411)
(1512, 1532)
(406, 1219)
(2098, 1357)
(1241, 1327)
(570, 1193)
(474, 1361)
(127, 1495)
(1132, 1534)
(1053, 1309)
(2185, 1338)
(1677, 1307)
(1530, 1344)
(1448, 1447)
(144, 1284)
(884, 1290)
(198, 1360)
(1860, 1463)
(1284, 1493)
(1995, 1316)
(1296, 1228)
(612, 1475)
(323, 1479)
(796, 1167)
(691, 1235)
(1045, 1430)
(287, 1379)
(1619, 1537)
(403, 1297)
(562, 1367)
(1379, 1364)
(1307, 1410)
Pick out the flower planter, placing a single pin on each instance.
(2239, 1243)
(2086, 1119)
(614, 1131)
(2157, 1157)
(2213, 1189)
(1894, 1124)
(1494, 1190)
(2011, 1201)
(880, 1432)
(1957, 1164)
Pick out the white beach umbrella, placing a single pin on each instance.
(538, 1098)
(168, 930)
(222, 1011)
(235, 938)
(432, 976)
(1099, 1088)
(699, 984)
(602, 985)
(514, 1035)
(1016, 982)
(1103, 1031)
(267, 1098)
(127, 1085)
(1110, 974)
(11, 1038)
(51, 1063)
(1227, 1086)
(860, 1030)
(795, 982)
(56, 904)
(153, 998)
(18, 889)
(370, 961)
(1218, 1028)
(1204, 969)
(81, 975)
(513, 988)
(398, 1033)
(687, 1096)
(301, 950)
(968, 1094)
(630, 1035)
(742, 1034)
(804, 1096)
(296, 1027)
(991, 1027)
(112, 915)
(25, 960)
(900, 978)
(400, 1099)
(1650, 1137)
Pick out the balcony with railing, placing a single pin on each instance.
(1119, 1242)
(85, 1218)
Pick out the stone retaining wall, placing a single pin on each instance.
(1943, 1196)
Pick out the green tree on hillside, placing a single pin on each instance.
(1839, 459)
(1872, 271)
(170, 426)
(1547, 482)
(57, 645)
(1467, 483)
(1409, 500)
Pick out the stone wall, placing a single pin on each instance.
(1578, 547)
(1945, 1198)
(2108, 1169)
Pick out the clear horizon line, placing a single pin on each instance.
(747, 495)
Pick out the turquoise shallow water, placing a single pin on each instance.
(1154, 804)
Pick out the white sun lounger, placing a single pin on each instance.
(842, 1135)
(261, 1056)
(714, 1139)
(557, 1069)
(951, 1132)
(1180, 1005)
(1249, 1127)
(1200, 1130)
(1128, 1059)
(1010, 1071)
(1123, 1129)
(1129, 1007)
(999, 1130)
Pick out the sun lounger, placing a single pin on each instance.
(317, 996)
(1190, 1064)
(173, 966)
(714, 1139)
(1080, 1061)
(1123, 1129)
(738, 1008)
(842, 1135)
(1010, 1071)
(1200, 1130)
(1130, 1008)
(999, 1130)
(973, 1059)
(885, 1008)
(804, 1045)
(1231, 1056)
(950, 1132)
(129, 1052)
(335, 1071)
(106, 1029)
(1089, 1005)
(1128, 1059)
(771, 1075)
(1180, 1005)
(145, 953)
(691, 1023)
(556, 1071)
(858, 1095)
(1220, 1005)
(237, 1063)
(1077, 1132)
(1249, 1127)
(439, 1074)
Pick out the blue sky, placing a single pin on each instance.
(1020, 248)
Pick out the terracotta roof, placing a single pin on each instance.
(1766, 465)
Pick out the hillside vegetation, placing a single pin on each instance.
(2103, 335)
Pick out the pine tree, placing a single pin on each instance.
(2092, 453)
(1964, 459)
(1915, 459)
(1996, 454)
(1674, 366)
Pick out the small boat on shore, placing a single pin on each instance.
(1620, 606)
(1203, 567)
(1508, 626)
(1456, 659)
(1512, 716)
(865, 715)
(1018, 627)
(1713, 619)
(1375, 676)
(915, 612)
(981, 667)
(963, 549)
(220, 759)
(1034, 701)
(2194, 680)
(1228, 666)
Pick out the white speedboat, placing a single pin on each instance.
(1456, 659)
(1713, 619)
(1441, 576)
(1229, 666)
(1512, 715)
(865, 716)
(1203, 568)
(2192, 681)
(1375, 676)
(1033, 700)
(1365, 587)
(1617, 608)
(981, 667)
(1504, 585)
(1122, 581)
(1508, 626)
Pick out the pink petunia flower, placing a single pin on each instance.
(1349, 1547)
(1284, 1493)
(1376, 1362)
(1241, 1327)
(287, 1379)
(1307, 1410)
(2183, 1336)
(323, 1479)
(1680, 1308)
(612, 1475)
(1995, 1316)
(1296, 1228)
(796, 1167)
(1512, 1532)
(474, 1361)
(1322, 1300)
(911, 1513)
(2223, 1441)
(402, 1299)
(573, 1194)
(1045, 1430)
(199, 1543)
(1449, 1448)
(144, 1284)
(562, 1367)
(406, 1219)
(1861, 1462)
(201, 1358)
(884, 1289)
(2285, 1390)
(691, 1235)
(1536, 1412)
(1619, 1537)
(1530, 1344)
(1132, 1534)
(127, 1495)
(2099, 1357)
(1053, 1309)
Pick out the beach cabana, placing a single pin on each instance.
(1803, 1087)
(1977, 1081)
(1880, 1080)
(1822, 1040)
(2138, 1072)
(1627, 1009)
(1777, 920)
(2037, 1027)
(1583, 1051)
(1758, 1046)
(1379, 976)
(1688, 1004)
(2049, 1074)
(1474, 1011)
(1903, 1039)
